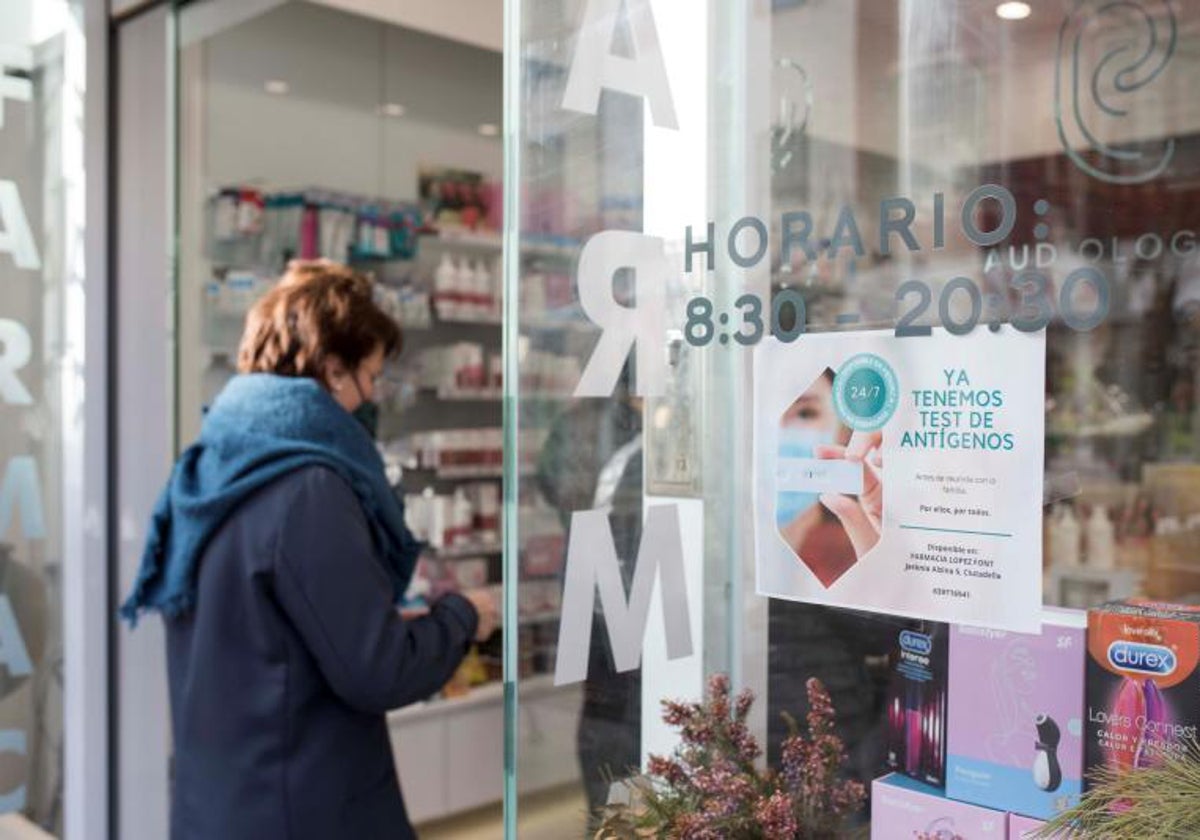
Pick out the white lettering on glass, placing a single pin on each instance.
(13, 741)
(15, 236)
(595, 66)
(592, 565)
(22, 489)
(16, 349)
(13, 57)
(13, 654)
(603, 255)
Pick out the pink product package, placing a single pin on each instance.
(905, 809)
(1015, 724)
(1022, 828)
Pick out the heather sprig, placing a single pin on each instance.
(712, 786)
(1162, 801)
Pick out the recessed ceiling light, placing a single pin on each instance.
(392, 109)
(277, 87)
(489, 129)
(1013, 11)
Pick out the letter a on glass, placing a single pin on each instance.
(595, 66)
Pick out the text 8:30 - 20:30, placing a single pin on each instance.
(1082, 303)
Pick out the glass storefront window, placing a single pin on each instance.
(710, 197)
(42, 86)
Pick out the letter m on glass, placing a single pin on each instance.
(592, 566)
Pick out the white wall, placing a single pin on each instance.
(476, 22)
(855, 53)
(1021, 114)
(308, 142)
(326, 131)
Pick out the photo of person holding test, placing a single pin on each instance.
(829, 484)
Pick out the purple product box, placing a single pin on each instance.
(905, 809)
(1016, 727)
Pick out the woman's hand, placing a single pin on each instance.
(862, 517)
(488, 611)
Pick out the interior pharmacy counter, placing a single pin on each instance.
(450, 752)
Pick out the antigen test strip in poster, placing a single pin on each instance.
(903, 475)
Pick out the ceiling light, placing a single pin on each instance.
(489, 129)
(1013, 11)
(277, 87)
(392, 109)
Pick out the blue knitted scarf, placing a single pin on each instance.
(260, 428)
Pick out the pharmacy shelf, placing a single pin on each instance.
(469, 394)
(474, 322)
(466, 473)
(493, 242)
(460, 239)
(491, 394)
(469, 472)
(467, 550)
(540, 618)
(482, 695)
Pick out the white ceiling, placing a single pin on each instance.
(357, 63)
(479, 23)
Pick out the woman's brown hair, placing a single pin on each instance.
(318, 309)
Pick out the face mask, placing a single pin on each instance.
(367, 416)
(367, 413)
(795, 442)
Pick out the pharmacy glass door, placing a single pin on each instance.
(762, 255)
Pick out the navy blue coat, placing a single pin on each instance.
(281, 675)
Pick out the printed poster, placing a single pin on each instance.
(903, 475)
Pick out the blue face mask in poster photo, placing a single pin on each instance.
(796, 442)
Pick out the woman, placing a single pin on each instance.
(276, 554)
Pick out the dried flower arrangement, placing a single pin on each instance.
(711, 788)
(1160, 801)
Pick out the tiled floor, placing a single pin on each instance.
(554, 815)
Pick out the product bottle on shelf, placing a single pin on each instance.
(1101, 540)
(462, 516)
(483, 290)
(464, 286)
(497, 286)
(443, 285)
(1065, 538)
(225, 215)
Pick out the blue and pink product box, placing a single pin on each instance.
(905, 809)
(1015, 728)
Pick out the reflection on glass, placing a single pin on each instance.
(1078, 125)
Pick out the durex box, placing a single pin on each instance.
(916, 702)
(904, 809)
(1015, 739)
(1143, 689)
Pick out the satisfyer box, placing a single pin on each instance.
(1015, 736)
(904, 809)
(1143, 689)
(916, 703)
